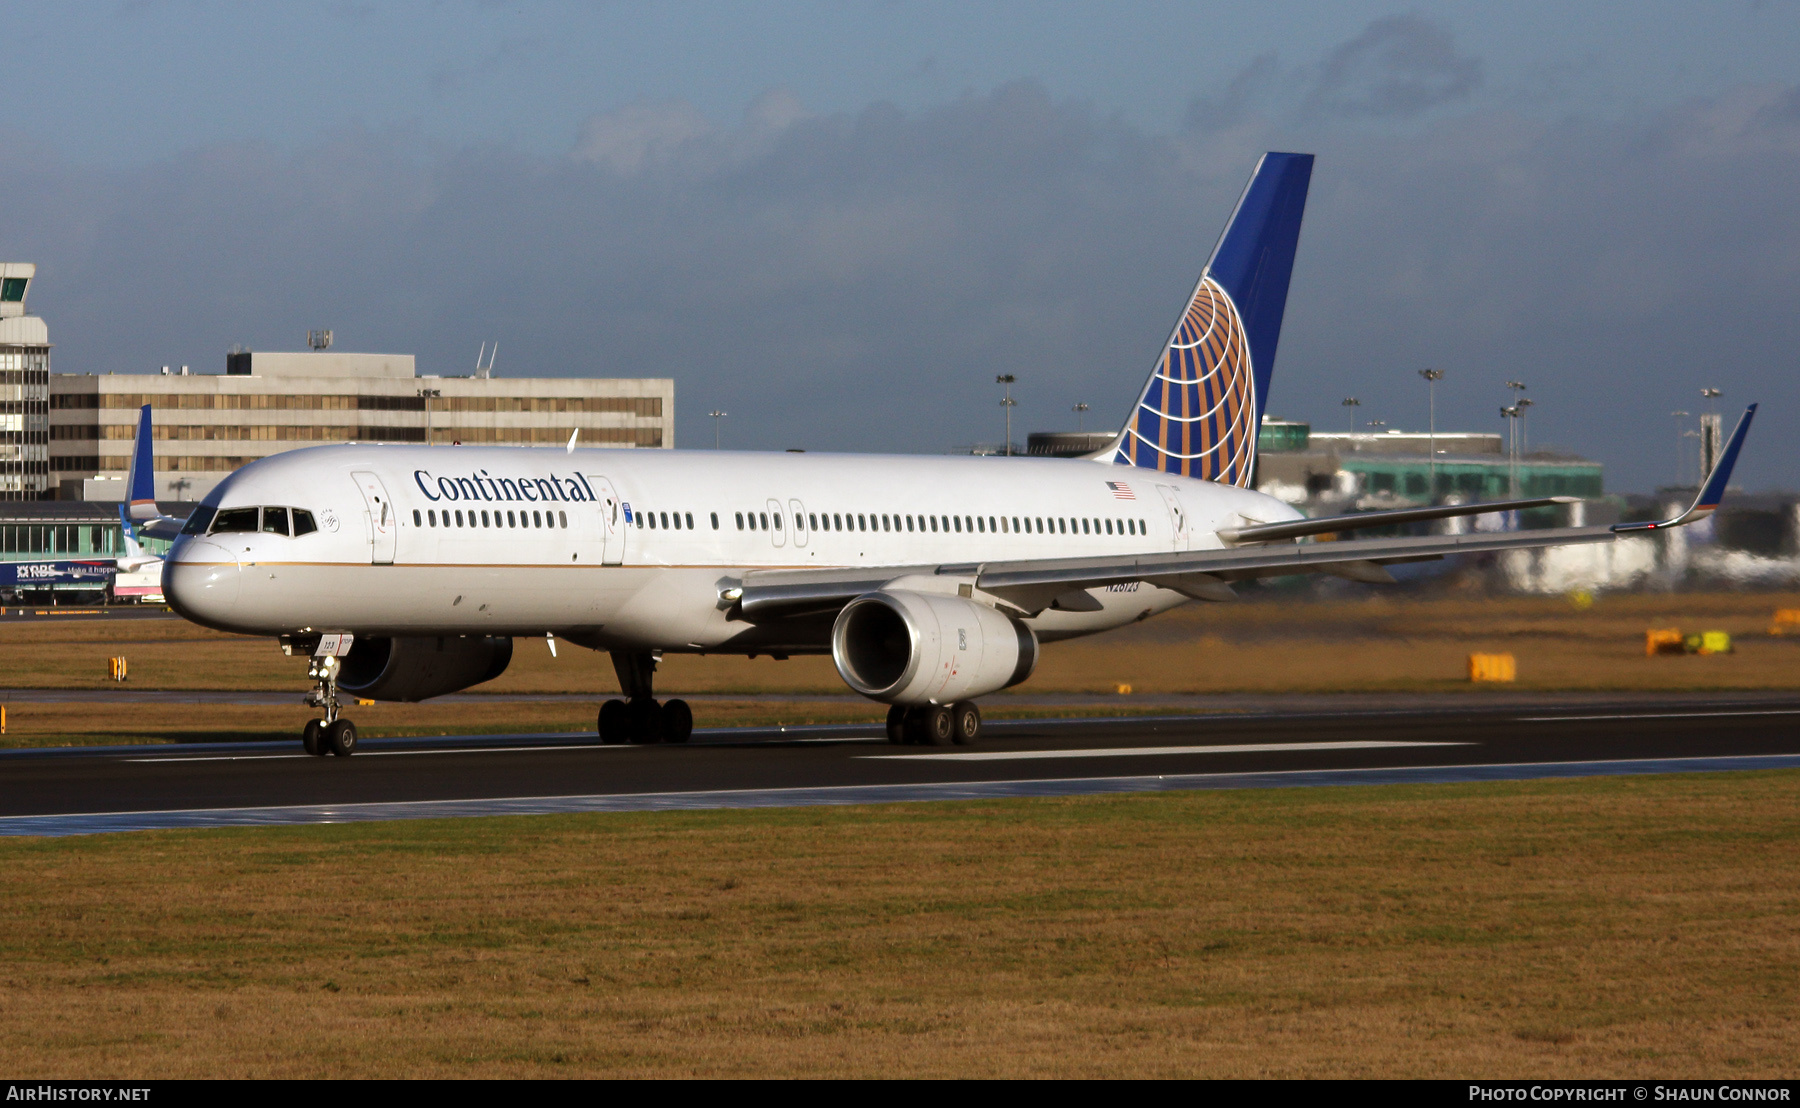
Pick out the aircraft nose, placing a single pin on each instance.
(200, 581)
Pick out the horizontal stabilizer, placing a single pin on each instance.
(1276, 532)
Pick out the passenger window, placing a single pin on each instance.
(1015, 522)
(304, 525)
(665, 519)
(484, 520)
(740, 521)
(431, 517)
(715, 521)
(981, 525)
(957, 521)
(418, 520)
(991, 523)
(690, 520)
(764, 518)
(933, 520)
(777, 521)
(909, 525)
(1084, 526)
(562, 518)
(537, 520)
(459, 522)
(275, 521)
(510, 521)
(235, 519)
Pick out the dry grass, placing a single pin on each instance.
(1631, 926)
(1381, 642)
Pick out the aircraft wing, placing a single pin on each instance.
(1032, 585)
(1036, 584)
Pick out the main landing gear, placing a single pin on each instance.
(333, 734)
(935, 724)
(639, 718)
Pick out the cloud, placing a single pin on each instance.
(855, 280)
(1400, 67)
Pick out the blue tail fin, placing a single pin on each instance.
(140, 485)
(1199, 413)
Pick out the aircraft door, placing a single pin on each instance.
(777, 533)
(797, 513)
(383, 525)
(1178, 517)
(612, 521)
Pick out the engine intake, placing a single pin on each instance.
(421, 668)
(911, 648)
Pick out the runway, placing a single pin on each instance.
(62, 792)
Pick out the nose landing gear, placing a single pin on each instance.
(333, 734)
(935, 724)
(639, 718)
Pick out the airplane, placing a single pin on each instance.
(406, 572)
(140, 572)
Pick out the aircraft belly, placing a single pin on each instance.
(444, 600)
(1121, 604)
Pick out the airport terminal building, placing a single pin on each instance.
(208, 425)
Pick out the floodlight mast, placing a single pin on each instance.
(1009, 404)
(1432, 377)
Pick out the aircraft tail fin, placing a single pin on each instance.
(140, 484)
(1199, 413)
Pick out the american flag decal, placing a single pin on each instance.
(1121, 490)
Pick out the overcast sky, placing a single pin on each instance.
(838, 221)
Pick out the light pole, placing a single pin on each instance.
(1511, 412)
(1350, 404)
(1523, 405)
(1432, 377)
(1680, 470)
(717, 415)
(1009, 404)
(1709, 434)
(1080, 411)
(428, 395)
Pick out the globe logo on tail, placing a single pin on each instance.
(1197, 416)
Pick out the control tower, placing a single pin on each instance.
(24, 389)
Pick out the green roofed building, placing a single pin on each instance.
(1363, 471)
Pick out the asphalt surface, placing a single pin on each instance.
(62, 791)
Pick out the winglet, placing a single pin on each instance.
(140, 486)
(1714, 489)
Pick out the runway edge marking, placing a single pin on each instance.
(307, 814)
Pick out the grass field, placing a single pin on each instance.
(1627, 926)
(1380, 643)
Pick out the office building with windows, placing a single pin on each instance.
(207, 425)
(24, 389)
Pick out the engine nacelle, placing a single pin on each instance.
(420, 668)
(912, 649)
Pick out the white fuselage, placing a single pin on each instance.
(629, 550)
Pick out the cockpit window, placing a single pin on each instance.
(303, 522)
(235, 519)
(198, 522)
(275, 521)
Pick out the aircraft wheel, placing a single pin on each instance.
(896, 725)
(340, 738)
(311, 738)
(677, 721)
(967, 720)
(937, 725)
(615, 724)
(646, 720)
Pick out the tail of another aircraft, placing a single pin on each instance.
(1198, 415)
(140, 484)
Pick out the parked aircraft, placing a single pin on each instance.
(406, 572)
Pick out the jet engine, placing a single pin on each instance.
(914, 649)
(420, 668)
